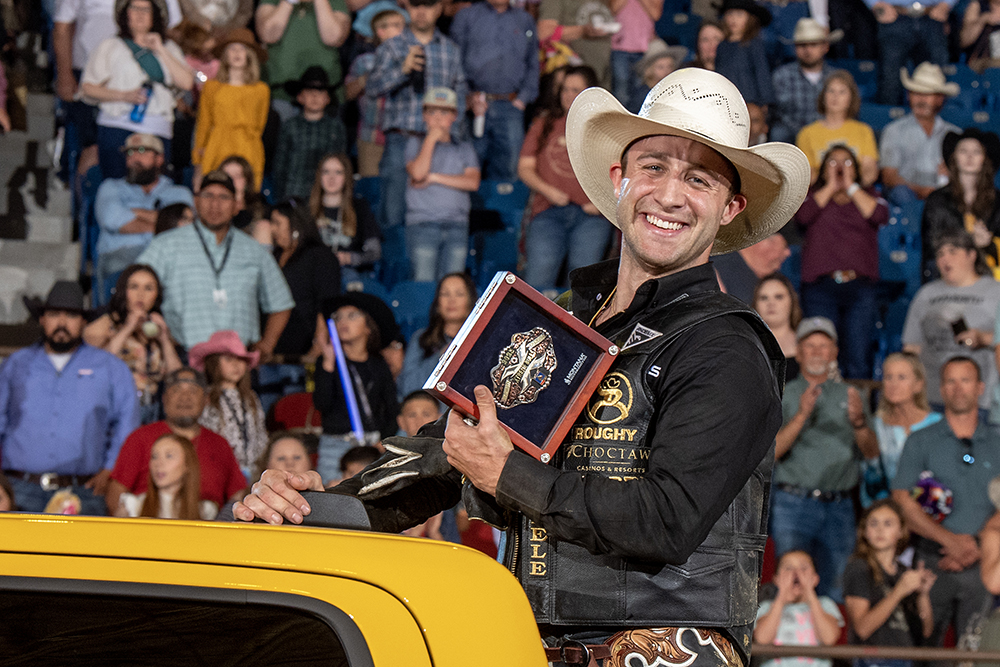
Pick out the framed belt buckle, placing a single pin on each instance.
(49, 481)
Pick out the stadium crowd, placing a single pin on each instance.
(266, 167)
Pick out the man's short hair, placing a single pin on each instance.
(365, 455)
(963, 359)
(418, 395)
(175, 377)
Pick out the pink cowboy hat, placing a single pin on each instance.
(221, 342)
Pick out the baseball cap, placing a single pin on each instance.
(441, 97)
(140, 140)
(811, 325)
(217, 177)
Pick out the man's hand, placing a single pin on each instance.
(414, 61)
(276, 496)
(884, 12)
(99, 482)
(808, 400)
(963, 550)
(855, 411)
(66, 87)
(151, 41)
(940, 11)
(478, 452)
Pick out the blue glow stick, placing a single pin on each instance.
(345, 382)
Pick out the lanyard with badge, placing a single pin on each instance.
(218, 294)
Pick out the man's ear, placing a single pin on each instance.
(618, 179)
(733, 209)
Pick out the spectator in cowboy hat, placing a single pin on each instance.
(680, 181)
(65, 408)
(659, 60)
(304, 139)
(911, 160)
(797, 84)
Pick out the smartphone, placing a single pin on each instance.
(959, 326)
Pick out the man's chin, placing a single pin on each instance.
(183, 422)
(63, 346)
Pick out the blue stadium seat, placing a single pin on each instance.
(990, 79)
(368, 285)
(900, 252)
(778, 35)
(89, 229)
(957, 114)
(496, 251)
(411, 302)
(879, 115)
(508, 198)
(368, 188)
(865, 73)
(394, 266)
(679, 28)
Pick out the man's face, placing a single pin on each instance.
(62, 329)
(423, 17)
(811, 54)
(313, 100)
(672, 199)
(816, 353)
(183, 402)
(142, 165)
(771, 252)
(216, 206)
(926, 105)
(960, 388)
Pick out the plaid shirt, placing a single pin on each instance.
(251, 279)
(796, 98)
(403, 105)
(301, 145)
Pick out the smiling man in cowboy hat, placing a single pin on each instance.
(911, 161)
(797, 85)
(65, 408)
(646, 532)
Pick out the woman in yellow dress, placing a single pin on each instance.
(233, 108)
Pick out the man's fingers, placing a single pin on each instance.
(487, 408)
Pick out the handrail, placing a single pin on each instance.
(848, 652)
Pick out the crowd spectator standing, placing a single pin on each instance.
(185, 395)
(215, 277)
(824, 436)
(741, 57)
(636, 22)
(499, 46)
(658, 61)
(406, 67)
(300, 34)
(126, 209)
(905, 32)
(797, 84)
(740, 272)
(65, 408)
(585, 26)
(960, 451)
(911, 160)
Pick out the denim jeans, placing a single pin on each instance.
(31, 497)
(437, 249)
(901, 195)
(624, 79)
(825, 530)
(500, 146)
(392, 180)
(277, 380)
(852, 308)
(907, 38)
(563, 232)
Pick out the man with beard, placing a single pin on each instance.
(817, 451)
(911, 159)
(126, 210)
(797, 85)
(185, 394)
(216, 277)
(65, 408)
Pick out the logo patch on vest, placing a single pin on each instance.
(612, 400)
(640, 335)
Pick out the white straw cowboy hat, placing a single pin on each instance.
(928, 79)
(810, 31)
(705, 107)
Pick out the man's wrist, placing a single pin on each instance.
(852, 189)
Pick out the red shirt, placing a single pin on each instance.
(220, 473)
(552, 163)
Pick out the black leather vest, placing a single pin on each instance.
(717, 586)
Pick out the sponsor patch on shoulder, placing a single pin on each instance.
(640, 335)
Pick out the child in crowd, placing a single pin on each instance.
(442, 174)
(417, 409)
(172, 216)
(887, 604)
(385, 25)
(741, 57)
(252, 216)
(233, 108)
(797, 616)
(371, 380)
(173, 486)
(196, 44)
(305, 138)
(7, 503)
(233, 409)
(357, 459)
(285, 451)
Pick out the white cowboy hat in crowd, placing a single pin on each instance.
(929, 79)
(810, 31)
(703, 106)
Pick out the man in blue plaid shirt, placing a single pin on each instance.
(797, 84)
(405, 67)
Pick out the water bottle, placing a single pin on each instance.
(139, 110)
(479, 120)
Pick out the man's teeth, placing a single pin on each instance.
(663, 224)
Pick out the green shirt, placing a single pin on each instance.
(936, 449)
(299, 48)
(824, 455)
(196, 303)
